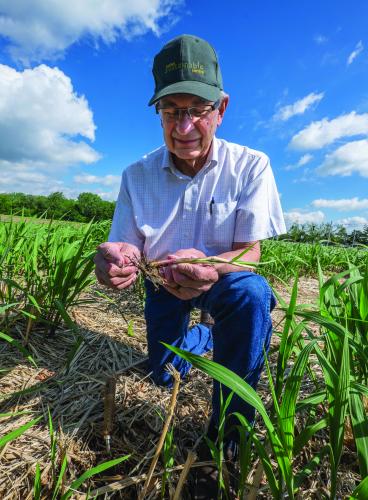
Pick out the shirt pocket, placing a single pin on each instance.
(220, 226)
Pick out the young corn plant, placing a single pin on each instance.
(248, 394)
(17, 432)
(217, 447)
(168, 452)
(42, 265)
(56, 488)
(344, 359)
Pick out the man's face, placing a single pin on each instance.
(190, 139)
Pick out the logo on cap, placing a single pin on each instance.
(195, 67)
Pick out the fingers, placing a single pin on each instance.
(182, 292)
(193, 275)
(112, 268)
(166, 274)
(121, 281)
(184, 281)
(111, 252)
(126, 283)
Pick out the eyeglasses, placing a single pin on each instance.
(171, 114)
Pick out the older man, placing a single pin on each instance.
(197, 196)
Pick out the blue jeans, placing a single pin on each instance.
(240, 304)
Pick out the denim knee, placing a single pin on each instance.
(242, 290)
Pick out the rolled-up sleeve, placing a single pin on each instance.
(259, 214)
(124, 226)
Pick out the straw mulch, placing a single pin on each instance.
(74, 396)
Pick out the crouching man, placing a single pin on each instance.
(197, 196)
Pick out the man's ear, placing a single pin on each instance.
(222, 109)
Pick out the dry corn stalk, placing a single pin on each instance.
(109, 410)
(161, 441)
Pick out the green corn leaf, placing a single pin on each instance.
(245, 459)
(363, 303)
(359, 423)
(248, 394)
(52, 441)
(360, 388)
(215, 452)
(292, 388)
(7, 306)
(337, 411)
(37, 483)
(14, 414)
(34, 302)
(17, 432)
(284, 352)
(92, 472)
(263, 455)
(336, 328)
(63, 313)
(20, 348)
(312, 400)
(361, 491)
(246, 250)
(307, 434)
(226, 377)
(60, 477)
(130, 330)
(28, 314)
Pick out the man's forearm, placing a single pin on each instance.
(252, 255)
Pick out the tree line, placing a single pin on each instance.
(55, 206)
(90, 206)
(327, 233)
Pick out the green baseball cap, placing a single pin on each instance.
(187, 65)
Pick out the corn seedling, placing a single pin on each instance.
(168, 452)
(217, 447)
(17, 432)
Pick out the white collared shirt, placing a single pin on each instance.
(233, 198)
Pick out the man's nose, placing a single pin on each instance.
(184, 124)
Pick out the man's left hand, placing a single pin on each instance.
(187, 280)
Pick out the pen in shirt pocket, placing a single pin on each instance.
(212, 202)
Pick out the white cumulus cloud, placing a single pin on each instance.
(358, 49)
(300, 217)
(352, 223)
(302, 161)
(299, 107)
(342, 205)
(42, 126)
(323, 132)
(350, 158)
(106, 180)
(16, 177)
(305, 159)
(39, 29)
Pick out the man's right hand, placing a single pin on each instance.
(114, 264)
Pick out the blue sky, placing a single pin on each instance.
(75, 79)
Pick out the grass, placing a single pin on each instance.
(45, 270)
